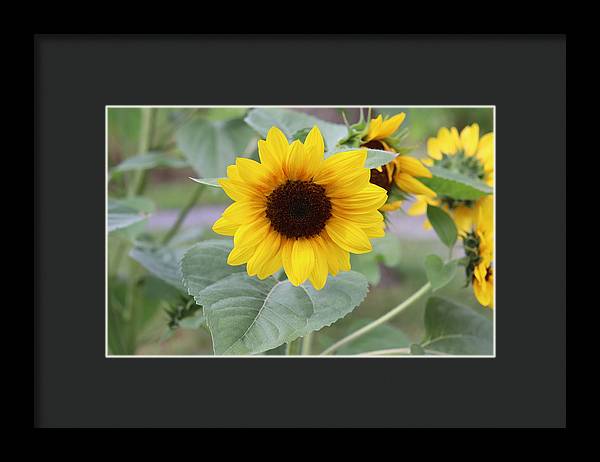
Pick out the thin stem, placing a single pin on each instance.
(397, 351)
(182, 214)
(379, 321)
(306, 344)
(291, 348)
(143, 144)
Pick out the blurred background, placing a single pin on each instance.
(394, 275)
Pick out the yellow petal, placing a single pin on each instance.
(469, 138)
(295, 167)
(243, 212)
(287, 246)
(374, 127)
(391, 206)
(390, 126)
(240, 255)
(318, 276)
(348, 236)
(254, 174)
(270, 158)
(314, 148)
(225, 227)
(374, 231)
(251, 234)
(265, 253)
(418, 207)
(463, 217)
(446, 142)
(278, 143)
(303, 259)
(433, 148)
(412, 166)
(340, 165)
(411, 185)
(455, 137)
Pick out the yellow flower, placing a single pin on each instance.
(479, 249)
(465, 153)
(298, 210)
(403, 171)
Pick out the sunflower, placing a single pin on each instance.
(403, 171)
(467, 154)
(298, 210)
(479, 250)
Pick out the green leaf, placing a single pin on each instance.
(206, 263)
(377, 158)
(388, 249)
(455, 329)
(383, 337)
(246, 315)
(368, 265)
(148, 161)
(290, 122)
(208, 181)
(163, 263)
(439, 273)
(193, 322)
(443, 225)
(210, 146)
(455, 185)
(126, 212)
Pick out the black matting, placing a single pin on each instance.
(75, 77)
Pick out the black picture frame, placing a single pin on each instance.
(76, 76)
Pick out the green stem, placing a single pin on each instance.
(291, 348)
(306, 344)
(137, 182)
(379, 321)
(182, 214)
(396, 351)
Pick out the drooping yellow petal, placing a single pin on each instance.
(348, 236)
(318, 276)
(263, 262)
(240, 255)
(303, 259)
(287, 246)
(411, 185)
(469, 138)
(418, 207)
(412, 166)
(391, 206)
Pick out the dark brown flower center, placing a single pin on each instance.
(298, 209)
(378, 178)
(382, 178)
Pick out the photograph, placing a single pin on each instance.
(300, 232)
